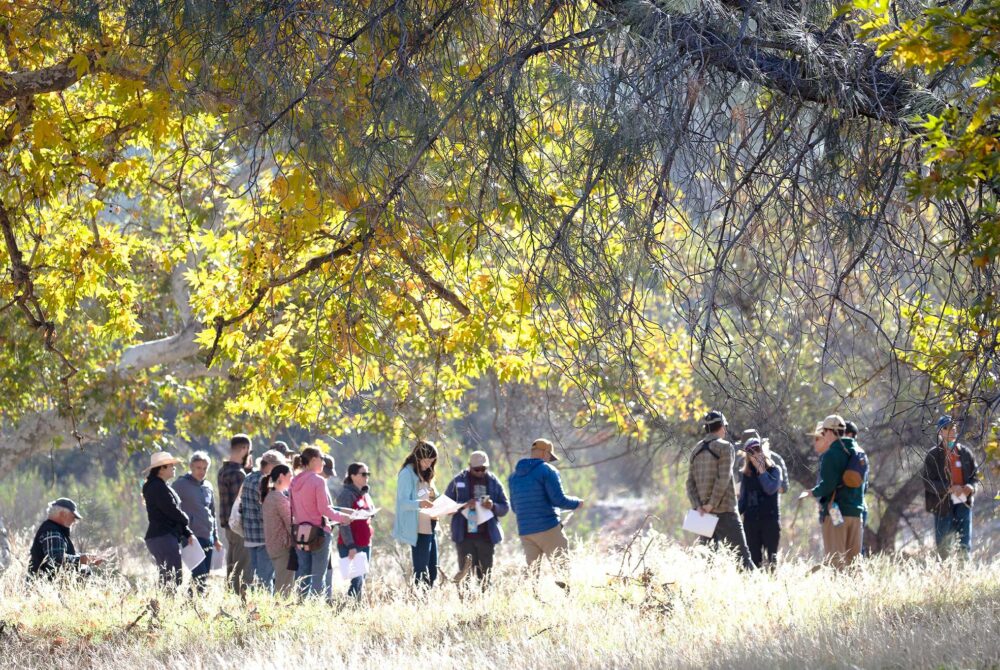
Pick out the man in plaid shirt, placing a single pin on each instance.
(711, 487)
(261, 568)
(231, 476)
(52, 548)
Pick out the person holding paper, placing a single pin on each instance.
(168, 524)
(711, 488)
(476, 538)
(312, 510)
(536, 496)
(52, 549)
(951, 479)
(356, 536)
(198, 502)
(415, 491)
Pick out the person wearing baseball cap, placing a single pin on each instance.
(169, 526)
(52, 549)
(951, 479)
(841, 536)
(711, 487)
(476, 542)
(536, 496)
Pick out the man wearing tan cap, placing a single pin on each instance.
(841, 507)
(536, 495)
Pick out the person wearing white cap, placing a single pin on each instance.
(842, 506)
(476, 542)
(168, 524)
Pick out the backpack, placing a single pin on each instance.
(856, 472)
(704, 447)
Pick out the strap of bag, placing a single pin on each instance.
(704, 447)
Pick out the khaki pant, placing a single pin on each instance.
(550, 543)
(284, 578)
(237, 562)
(842, 543)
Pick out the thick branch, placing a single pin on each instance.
(857, 85)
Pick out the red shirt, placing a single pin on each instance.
(955, 466)
(361, 529)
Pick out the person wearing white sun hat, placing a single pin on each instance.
(168, 524)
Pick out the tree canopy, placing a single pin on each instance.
(342, 215)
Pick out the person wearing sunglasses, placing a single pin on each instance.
(481, 492)
(758, 501)
(357, 535)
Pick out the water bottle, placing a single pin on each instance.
(836, 517)
(473, 526)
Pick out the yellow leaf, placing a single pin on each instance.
(81, 63)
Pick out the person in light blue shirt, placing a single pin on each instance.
(415, 491)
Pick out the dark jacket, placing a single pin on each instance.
(937, 478)
(358, 533)
(759, 494)
(163, 509)
(831, 469)
(460, 490)
(52, 549)
(535, 493)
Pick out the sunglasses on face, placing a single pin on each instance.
(478, 469)
(365, 474)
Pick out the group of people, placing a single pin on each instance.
(750, 523)
(282, 518)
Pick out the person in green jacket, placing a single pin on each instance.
(841, 507)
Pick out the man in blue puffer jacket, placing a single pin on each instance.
(536, 494)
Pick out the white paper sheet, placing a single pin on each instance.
(192, 555)
(958, 499)
(442, 506)
(359, 514)
(218, 560)
(482, 514)
(350, 569)
(702, 524)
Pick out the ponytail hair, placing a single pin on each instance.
(267, 483)
(303, 459)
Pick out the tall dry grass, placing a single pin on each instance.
(651, 605)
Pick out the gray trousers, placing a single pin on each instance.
(729, 531)
(166, 551)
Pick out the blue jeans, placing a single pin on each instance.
(358, 582)
(425, 559)
(959, 520)
(199, 575)
(311, 575)
(261, 568)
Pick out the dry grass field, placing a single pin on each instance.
(653, 604)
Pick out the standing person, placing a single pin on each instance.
(415, 491)
(261, 570)
(198, 502)
(231, 476)
(711, 488)
(772, 454)
(168, 525)
(476, 542)
(52, 550)
(536, 496)
(276, 510)
(357, 535)
(312, 513)
(951, 479)
(759, 502)
(841, 506)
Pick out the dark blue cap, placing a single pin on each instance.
(66, 503)
(715, 416)
(944, 422)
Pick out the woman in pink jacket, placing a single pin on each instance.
(314, 516)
